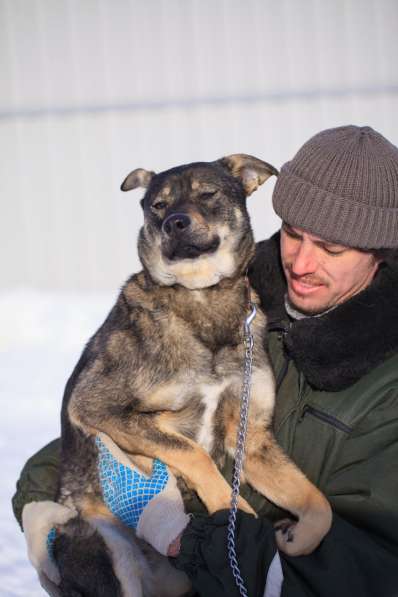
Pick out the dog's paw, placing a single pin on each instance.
(285, 535)
(298, 538)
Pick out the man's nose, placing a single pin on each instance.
(304, 260)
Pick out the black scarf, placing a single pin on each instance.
(335, 350)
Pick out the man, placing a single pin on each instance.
(329, 285)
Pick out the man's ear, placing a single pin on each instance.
(251, 171)
(137, 178)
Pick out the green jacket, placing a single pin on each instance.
(336, 416)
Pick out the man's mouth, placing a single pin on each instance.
(191, 250)
(304, 287)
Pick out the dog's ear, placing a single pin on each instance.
(251, 171)
(137, 178)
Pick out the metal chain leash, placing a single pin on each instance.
(240, 451)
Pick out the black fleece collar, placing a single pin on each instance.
(335, 350)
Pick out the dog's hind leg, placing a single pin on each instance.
(166, 580)
(140, 570)
(97, 556)
(129, 564)
(84, 562)
(102, 558)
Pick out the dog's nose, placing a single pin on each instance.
(176, 223)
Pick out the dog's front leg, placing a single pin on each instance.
(271, 472)
(151, 434)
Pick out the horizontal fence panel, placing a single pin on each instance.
(66, 225)
(90, 90)
(60, 54)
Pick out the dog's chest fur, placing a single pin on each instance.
(188, 351)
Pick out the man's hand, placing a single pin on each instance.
(174, 547)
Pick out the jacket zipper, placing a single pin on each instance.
(281, 374)
(322, 416)
(276, 326)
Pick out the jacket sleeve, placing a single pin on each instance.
(347, 562)
(39, 478)
(204, 556)
(359, 555)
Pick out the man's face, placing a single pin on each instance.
(321, 274)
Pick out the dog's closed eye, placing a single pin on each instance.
(159, 205)
(207, 195)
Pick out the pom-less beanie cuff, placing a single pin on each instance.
(342, 185)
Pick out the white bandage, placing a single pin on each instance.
(38, 518)
(163, 518)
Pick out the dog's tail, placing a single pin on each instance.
(84, 562)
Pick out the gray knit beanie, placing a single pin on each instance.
(342, 185)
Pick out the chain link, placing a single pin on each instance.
(240, 451)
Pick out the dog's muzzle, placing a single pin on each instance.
(176, 224)
(182, 241)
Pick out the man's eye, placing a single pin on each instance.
(333, 251)
(289, 232)
(159, 205)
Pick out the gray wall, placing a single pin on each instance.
(90, 89)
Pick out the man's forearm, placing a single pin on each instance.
(204, 557)
(348, 562)
(39, 478)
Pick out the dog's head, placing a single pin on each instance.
(196, 226)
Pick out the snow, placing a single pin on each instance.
(42, 336)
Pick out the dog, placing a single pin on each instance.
(162, 377)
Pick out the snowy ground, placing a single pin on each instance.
(41, 337)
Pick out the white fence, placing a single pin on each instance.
(90, 89)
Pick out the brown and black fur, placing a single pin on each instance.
(162, 375)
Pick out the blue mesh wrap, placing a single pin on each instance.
(126, 492)
(50, 542)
